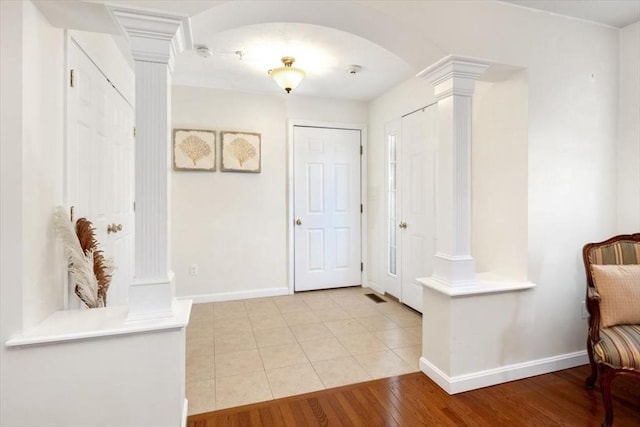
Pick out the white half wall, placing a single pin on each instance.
(629, 131)
(124, 380)
(233, 225)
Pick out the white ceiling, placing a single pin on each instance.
(324, 53)
(614, 13)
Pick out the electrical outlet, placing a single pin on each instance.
(193, 269)
(585, 313)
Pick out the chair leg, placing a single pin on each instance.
(606, 378)
(591, 379)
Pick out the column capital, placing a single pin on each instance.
(154, 36)
(454, 75)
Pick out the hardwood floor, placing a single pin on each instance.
(557, 399)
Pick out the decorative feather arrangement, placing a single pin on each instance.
(82, 263)
(102, 267)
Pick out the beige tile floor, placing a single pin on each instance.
(247, 351)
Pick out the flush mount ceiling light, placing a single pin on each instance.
(287, 77)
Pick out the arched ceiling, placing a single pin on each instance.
(324, 36)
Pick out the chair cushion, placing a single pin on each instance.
(619, 346)
(619, 289)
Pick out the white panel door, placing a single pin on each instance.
(417, 225)
(100, 168)
(327, 252)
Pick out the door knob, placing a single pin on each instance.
(298, 221)
(114, 228)
(402, 225)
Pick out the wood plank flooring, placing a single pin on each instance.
(556, 399)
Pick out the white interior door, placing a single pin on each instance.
(100, 168)
(327, 235)
(417, 225)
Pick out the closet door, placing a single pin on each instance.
(417, 225)
(99, 166)
(410, 196)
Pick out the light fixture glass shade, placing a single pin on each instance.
(287, 77)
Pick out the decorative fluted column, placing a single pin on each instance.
(454, 79)
(155, 39)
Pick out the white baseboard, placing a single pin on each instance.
(489, 377)
(229, 296)
(185, 410)
(373, 285)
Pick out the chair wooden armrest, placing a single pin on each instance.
(593, 304)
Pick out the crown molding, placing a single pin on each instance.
(454, 75)
(154, 36)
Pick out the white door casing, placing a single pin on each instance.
(326, 207)
(418, 162)
(100, 165)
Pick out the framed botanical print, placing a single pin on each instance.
(194, 150)
(240, 152)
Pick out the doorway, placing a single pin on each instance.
(410, 199)
(326, 207)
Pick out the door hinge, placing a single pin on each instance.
(134, 132)
(361, 266)
(134, 206)
(361, 208)
(361, 150)
(72, 78)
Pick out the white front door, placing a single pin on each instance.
(99, 168)
(327, 235)
(417, 224)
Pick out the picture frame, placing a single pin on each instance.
(194, 150)
(240, 152)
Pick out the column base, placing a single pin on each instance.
(454, 270)
(151, 300)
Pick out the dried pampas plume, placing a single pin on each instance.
(84, 261)
(102, 267)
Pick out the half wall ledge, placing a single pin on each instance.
(485, 283)
(71, 325)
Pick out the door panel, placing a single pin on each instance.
(418, 202)
(99, 170)
(327, 205)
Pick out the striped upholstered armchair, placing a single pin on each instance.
(613, 301)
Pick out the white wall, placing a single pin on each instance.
(499, 177)
(42, 160)
(137, 379)
(11, 220)
(32, 138)
(234, 225)
(571, 163)
(629, 131)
